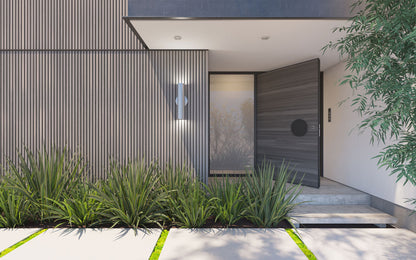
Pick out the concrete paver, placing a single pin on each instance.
(233, 243)
(360, 243)
(9, 236)
(88, 244)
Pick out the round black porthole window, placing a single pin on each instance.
(299, 127)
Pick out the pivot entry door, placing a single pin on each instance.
(287, 119)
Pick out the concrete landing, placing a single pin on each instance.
(215, 244)
(9, 236)
(88, 244)
(341, 214)
(368, 244)
(331, 192)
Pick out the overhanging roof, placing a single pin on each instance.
(236, 44)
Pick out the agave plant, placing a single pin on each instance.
(79, 209)
(229, 203)
(268, 199)
(45, 178)
(131, 195)
(14, 209)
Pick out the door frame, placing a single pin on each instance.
(255, 74)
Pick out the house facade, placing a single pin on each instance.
(216, 85)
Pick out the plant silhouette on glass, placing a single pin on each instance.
(232, 135)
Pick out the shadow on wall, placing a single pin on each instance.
(181, 142)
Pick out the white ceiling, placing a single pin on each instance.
(236, 45)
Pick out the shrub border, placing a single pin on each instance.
(21, 242)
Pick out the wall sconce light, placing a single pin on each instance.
(181, 101)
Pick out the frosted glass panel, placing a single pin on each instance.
(231, 123)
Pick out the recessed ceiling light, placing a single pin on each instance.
(265, 37)
(177, 37)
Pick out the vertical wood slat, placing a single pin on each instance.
(105, 103)
(59, 24)
(104, 100)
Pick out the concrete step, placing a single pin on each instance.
(340, 214)
(332, 193)
(358, 198)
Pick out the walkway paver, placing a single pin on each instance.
(360, 243)
(88, 244)
(9, 237)
(233, 243)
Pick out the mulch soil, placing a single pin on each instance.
(210, 223)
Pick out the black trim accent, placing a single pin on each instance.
(209, 119)
(98, 50)
(128, 22)
(255, 120)
(231, 18)
(321, 123)
(236, 72)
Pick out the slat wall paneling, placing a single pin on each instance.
(105, 104)
(284, 95)
(65, 24)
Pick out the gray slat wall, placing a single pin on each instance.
(284, 95)
(65, 24)
(110, 99)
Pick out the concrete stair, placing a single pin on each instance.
(334, 203)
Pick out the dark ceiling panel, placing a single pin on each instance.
(241, 8)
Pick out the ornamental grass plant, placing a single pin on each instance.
(44, 177)
(131, 195)
(14, 209)
(268, 199)
(51, 188)
(192, 207)
(80, 208)
(229, 202)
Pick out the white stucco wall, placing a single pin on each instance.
(347, 153)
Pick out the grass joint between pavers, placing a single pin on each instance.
(301, 245)
(159, 245)
(21, 242)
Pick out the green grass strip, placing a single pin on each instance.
(301, 245)
(21, 242)
(159, 245)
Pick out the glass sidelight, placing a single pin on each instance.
(231, 123)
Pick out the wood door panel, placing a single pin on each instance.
(282, 96)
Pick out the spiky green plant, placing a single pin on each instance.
(131, 195)
(79, 209)
(268, 199)
(172, 180)
(192, 207)
(229, 205)
(45, 177)
(14, 209)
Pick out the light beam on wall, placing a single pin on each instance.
(181, 101)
